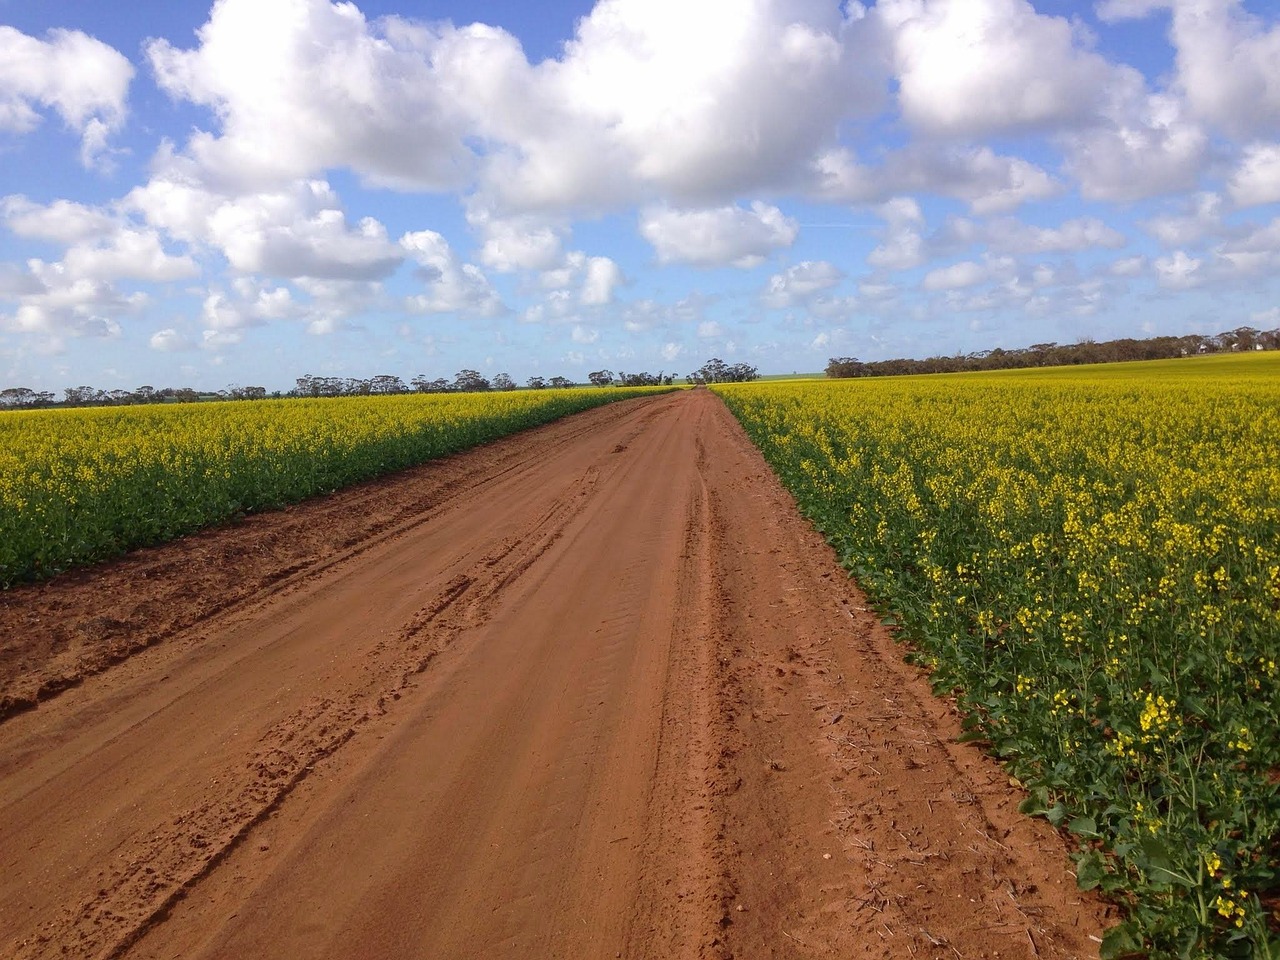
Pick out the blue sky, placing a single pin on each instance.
(252, 190)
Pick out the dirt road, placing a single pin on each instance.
(593, 691)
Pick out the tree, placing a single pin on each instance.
(561, 383)
(716, 370)
(17, 397)
(470, 381)
(537, 383)
(600, 378)
(387, 384)
(503, 381)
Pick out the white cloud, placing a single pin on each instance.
(966, 273)
(295, 231)
(1128, 266)
(903, 246)
(967, 68)
(303, 85)
(216, 339)
(710, 330)
(671, 351)
(718, 237)
(800, 282)
(132, 254)
(67, 304)
(1012, 236)
(451, 286)
(320, 246)
(1257, 179)
(1111, 11)
(1178, 271)
(62, 221)
(987, 181)
(1204, 218)
(694, 102)
(170, 340)
(602, 277)
(517, 243)
(83, 79)
(1226, 60)
(595, 277)
(1144, 146)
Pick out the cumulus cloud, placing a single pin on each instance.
(517, 243)
(987, 181)
(451, 286)
(968, 68)
(601, 278)
(969, 273)
(1257, 179)
(129, 253)
(903, 245)
(304, 85)
(250, 304)
(170, 340)
(62, 221)
(966, 273)
(1226, 60)
(83, 79)
(62, 303)
(300, 86)
(800, 282)
(594, 278)
(615, 114)
(298, 230)
(718, 236)
(1128, 266)
(1178, 271)
(1144, 145)
(1013, 236)
(1203, 217)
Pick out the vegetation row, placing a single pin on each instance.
(80, 485)
(465, 381)
(1090, 562)
(1240, 340)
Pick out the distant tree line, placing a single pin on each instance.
(716, 370)
(606, 378)
(466, 381)
(1061, 355)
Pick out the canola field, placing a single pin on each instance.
(1089, 560)
(80, 485)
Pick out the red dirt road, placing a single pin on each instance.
(593, 691)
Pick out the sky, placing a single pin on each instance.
(250, 191)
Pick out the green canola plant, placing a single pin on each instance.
(1088, 559)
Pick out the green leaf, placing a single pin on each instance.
(1090, 869)
(1083, 827)
(1121, 940)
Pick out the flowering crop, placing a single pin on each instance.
(1089, 560)
(80, 485)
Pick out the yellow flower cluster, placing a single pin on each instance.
(1091, 558)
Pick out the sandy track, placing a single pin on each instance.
(593, 691)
